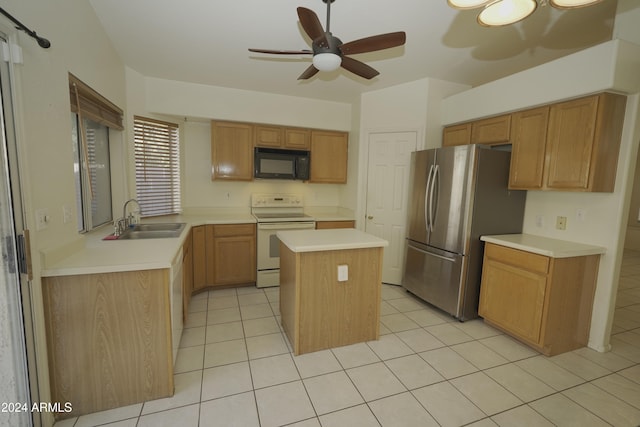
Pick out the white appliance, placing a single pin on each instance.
(275, 212)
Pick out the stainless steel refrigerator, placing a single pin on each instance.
(457, 194)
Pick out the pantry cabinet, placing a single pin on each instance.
(231, 151)
(329, 157)
(543, 301)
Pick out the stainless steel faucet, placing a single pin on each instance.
(123, 223)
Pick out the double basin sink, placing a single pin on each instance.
(153, 231)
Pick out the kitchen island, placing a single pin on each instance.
(330, 286)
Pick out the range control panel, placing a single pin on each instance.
(276, 200)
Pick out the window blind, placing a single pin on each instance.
(157, 156)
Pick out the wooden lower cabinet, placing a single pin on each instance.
(322, 225)
(108, 339)
(544, 302)
(223, 254)
(231, 254)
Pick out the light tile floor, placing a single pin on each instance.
(235, 368)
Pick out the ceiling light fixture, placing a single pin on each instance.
(497, 13)
(326, 61)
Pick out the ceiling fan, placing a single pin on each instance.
(329, 53)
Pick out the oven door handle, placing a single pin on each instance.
(285, 225)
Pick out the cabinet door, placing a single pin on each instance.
(199, 257)
(235, 260)
(329, 157)
(513, 299)
(456, 135)
(570, 143)
(494, 130)
(231, 151)
(297, 139)
(529, 140)
(268, 136)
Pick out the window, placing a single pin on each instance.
(92, 116)
(157, 153)
(92, 171)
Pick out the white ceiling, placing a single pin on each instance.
(206, 41)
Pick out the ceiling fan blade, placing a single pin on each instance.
(283, 52)
(311, 24)
(359, 68)
(309, 72)
(373, 43)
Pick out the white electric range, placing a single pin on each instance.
(275, 212)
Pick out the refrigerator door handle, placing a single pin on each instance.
(427, 207)
(433, 254)
(432, 207)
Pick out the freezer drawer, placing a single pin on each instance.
(434, 276)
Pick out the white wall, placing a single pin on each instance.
(193, 106)
(612, 66)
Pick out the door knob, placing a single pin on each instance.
(369, 217)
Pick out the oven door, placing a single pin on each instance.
(269, 250)
(269, 244)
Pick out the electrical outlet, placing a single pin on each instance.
(343, 273)
(540, 221)
(561, 223)
(581, 214)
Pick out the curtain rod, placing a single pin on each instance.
(44, 43)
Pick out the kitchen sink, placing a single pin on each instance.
(153, 231)
(164, 226)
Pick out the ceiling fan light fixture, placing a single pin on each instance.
(467, 4)
(505, 12)
(327, 61)
(572, 4)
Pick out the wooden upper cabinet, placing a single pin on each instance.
(231, 151)
(528, 139)
(494, 130)
(297, 138)
(329, 157)
(282, 137)
(583, 143)
(456, 135)
(268, 136)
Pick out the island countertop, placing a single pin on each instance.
(329, 240)
(553, 248)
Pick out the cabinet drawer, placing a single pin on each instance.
(234, 230)
(524, 260)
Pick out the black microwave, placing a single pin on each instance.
(274, 163)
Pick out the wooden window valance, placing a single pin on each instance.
(93, 105)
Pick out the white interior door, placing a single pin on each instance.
(387, 193)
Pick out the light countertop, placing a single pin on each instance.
(108, 256)
(553, 248)
(329, 240)
(321, 213)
